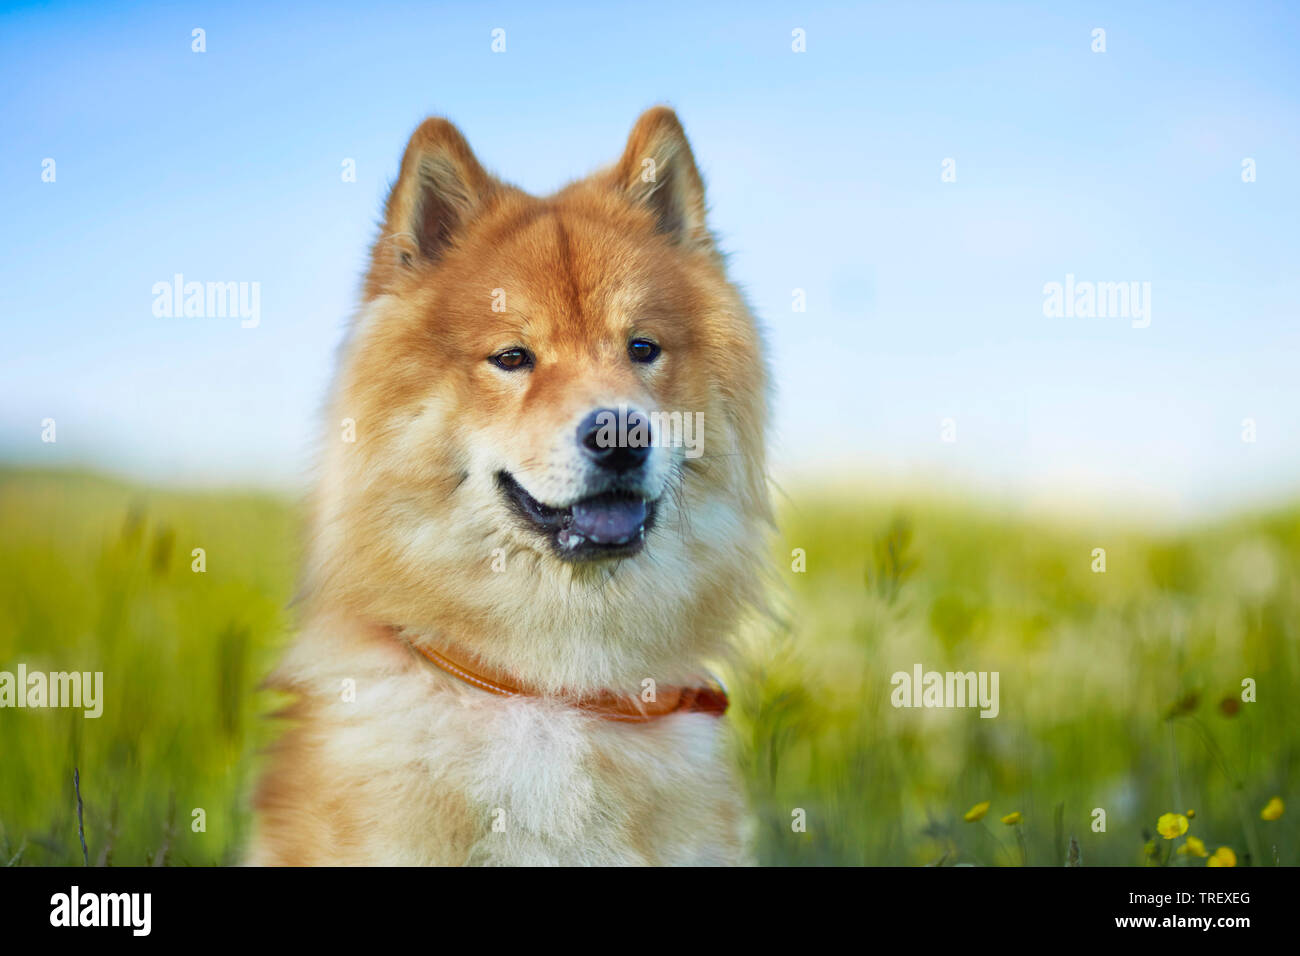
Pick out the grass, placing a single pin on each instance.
(1112, 685)
(96, 576)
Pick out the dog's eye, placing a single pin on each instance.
(642, 350)
(512, 360)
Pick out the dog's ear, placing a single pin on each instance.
(440, 188)
(657, 170)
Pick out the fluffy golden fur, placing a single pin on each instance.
(410, 528)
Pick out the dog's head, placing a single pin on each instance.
(550, 416)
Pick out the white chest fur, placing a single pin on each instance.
(451, 774)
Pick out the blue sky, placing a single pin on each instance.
(924, 297)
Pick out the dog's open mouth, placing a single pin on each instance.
(608, 525)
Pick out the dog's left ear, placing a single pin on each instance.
(657, 170)
(440, 189)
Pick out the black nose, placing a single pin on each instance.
(614, 440)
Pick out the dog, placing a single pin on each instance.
(515, 579)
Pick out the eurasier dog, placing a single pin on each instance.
(541, 510)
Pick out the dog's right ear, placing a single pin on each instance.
(657, 171)
(440, 188)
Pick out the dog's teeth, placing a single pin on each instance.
(570, 539)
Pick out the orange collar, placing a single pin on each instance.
(708, 698)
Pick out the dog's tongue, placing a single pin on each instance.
(609, 520)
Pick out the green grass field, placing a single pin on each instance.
(1118, 690)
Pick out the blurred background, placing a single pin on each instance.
(894, 199)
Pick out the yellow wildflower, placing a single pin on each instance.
(1193, 847)
(1011, 819)
(1273, 809)
(976, 812)
(1223, 856)
(1171, 825)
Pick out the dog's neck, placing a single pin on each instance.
(655, 702)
